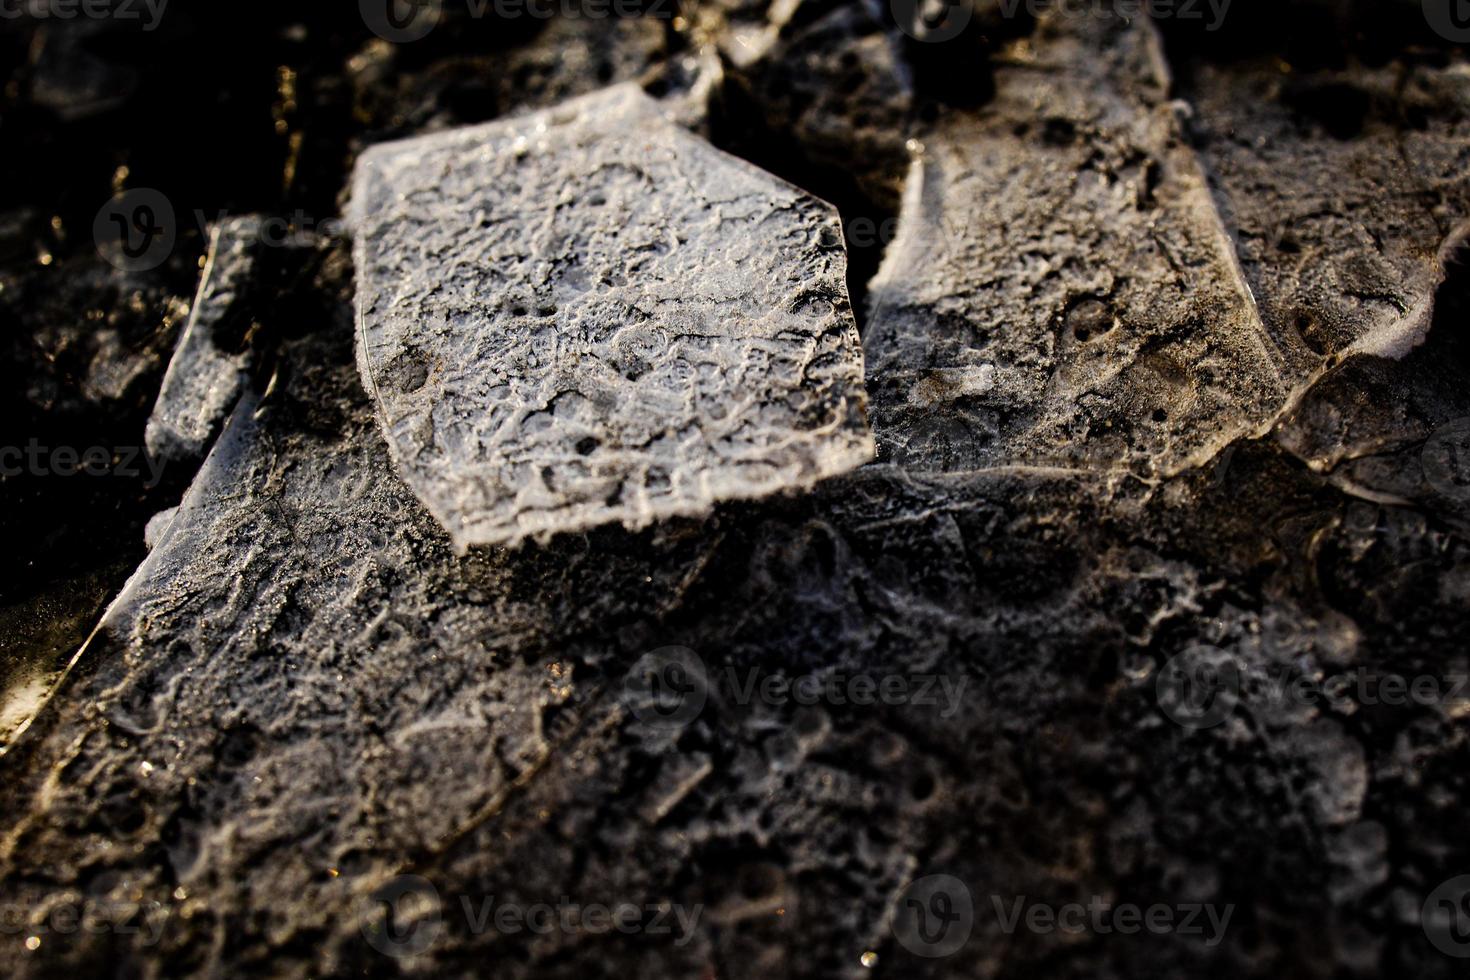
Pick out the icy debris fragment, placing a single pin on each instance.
(588, 315)
(1347, 194)
(207, 371)
(1345, 189)
(1061, 291)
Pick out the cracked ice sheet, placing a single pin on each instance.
(1061, 291)
(1347, 193)
(587, 315)
(1343, 190)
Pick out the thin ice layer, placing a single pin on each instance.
(587, 315)
(1062, 291)
(1342, 189)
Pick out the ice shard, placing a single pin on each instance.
(588, 315)
(207, 371)
(1062, 292)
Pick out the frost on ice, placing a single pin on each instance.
(588, 315)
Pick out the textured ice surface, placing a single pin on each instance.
(1061, 291)
(1341, 189)
(588, 315)
(205, 375)
(1347, 192)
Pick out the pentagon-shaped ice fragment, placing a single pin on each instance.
(589, 315)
